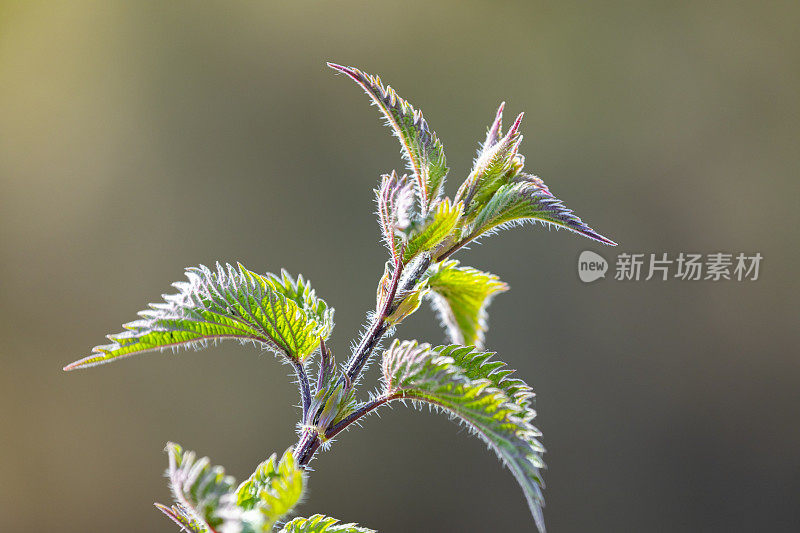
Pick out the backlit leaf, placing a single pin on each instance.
(408, 303)
(395, 199)
(479, 393)
(322, 524)
(202, 492)
(278, 312)
(497, 163)
(274, 488)
(498, 194)
(182, 517)
(421, 148)
(528, 200)
(460, 295)
(439, 227)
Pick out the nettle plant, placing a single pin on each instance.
(421, 229)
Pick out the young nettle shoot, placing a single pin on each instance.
(421, 228)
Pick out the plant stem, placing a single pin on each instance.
(377, 329)
(363, 410)
(306, 447)
(380, 326)
(310, 440)
(305, 387)
(455, 248)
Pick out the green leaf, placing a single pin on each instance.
(408, 303)
(300, 292)
(330, 404)
(280, 313)
(273, 489)
(421, 148)
(181, 516)
(527, 199)
(497, 162)
(479, 393)
(202, 492)
(439, 227)
(461, 295)
(493, 132)
(498, 194)
(395, 199)
(479, 365)
(322, 524)
(206, 501)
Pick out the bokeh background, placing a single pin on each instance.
(137, 138)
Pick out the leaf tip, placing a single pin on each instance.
(80, 363)
(336, 66)
(599, 238)
(494, 131)
(515, 127)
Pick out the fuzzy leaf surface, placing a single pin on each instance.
(498, 194)
(182, 517)
(330, 404)
(528, 200)
(278, 312)
(479, 393)
(460, 296)
(441, 224)
(395, 199)
(273, 489)
(202, 492)
(498, 161)
(322, 524)
(477, 365)
(408, 304)
(421, 147)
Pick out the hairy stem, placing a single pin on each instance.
(379, 325)
(377, 329)
(325, 364)
(306, 447)
(457, 246)
(362, 411)
(303, 383)
(310, 440)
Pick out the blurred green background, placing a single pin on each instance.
(137, 138)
